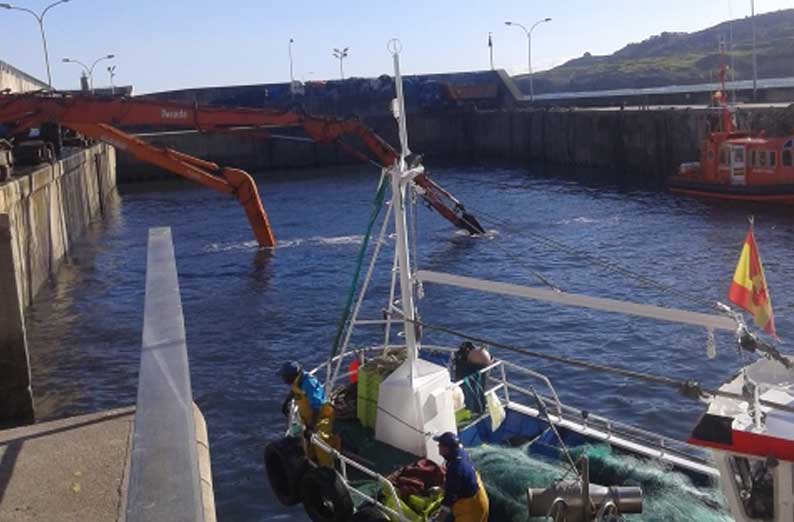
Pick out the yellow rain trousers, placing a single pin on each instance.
(323, 426)
(472, 509)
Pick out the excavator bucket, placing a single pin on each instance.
(246, 192)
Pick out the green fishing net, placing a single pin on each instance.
(668, 496)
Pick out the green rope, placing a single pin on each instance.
(377, 204)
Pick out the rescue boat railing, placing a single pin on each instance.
(345, 461)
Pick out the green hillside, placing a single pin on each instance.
(680, 58)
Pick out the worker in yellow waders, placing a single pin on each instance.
(464, 495)
(315, 411)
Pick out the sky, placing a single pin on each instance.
(173, 44)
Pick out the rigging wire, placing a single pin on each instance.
(689, 388)
(604, 263)
(377, 204)
(536, 274)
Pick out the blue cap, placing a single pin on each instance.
(447, 439)
(289, 370)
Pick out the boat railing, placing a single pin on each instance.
(498, 378)
(344, 462)
(507, 373)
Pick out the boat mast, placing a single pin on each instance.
(725, 113)
(401, 178)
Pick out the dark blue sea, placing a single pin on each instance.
(246, 311)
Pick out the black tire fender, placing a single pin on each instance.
(285, 465)
(325, 496)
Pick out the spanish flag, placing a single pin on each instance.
(748, 289)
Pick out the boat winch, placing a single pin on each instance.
(580, 501)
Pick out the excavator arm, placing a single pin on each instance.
(436, 197)
(226, 180)
(100, 117)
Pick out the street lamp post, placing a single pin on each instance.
(528, 32)
(291, 75)
(490, 48)
(40, 20)
(341, 55)
(112, 73)
(90, 70)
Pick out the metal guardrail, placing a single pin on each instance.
(764, 83)
(504, 383)
(344, 462)
(164, 475)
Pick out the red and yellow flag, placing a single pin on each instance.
(748, 289)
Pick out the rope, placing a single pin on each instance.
(604, 263)
(537, 275)
(544, 412)
(377, 204)
(689, 388)
(405, 423)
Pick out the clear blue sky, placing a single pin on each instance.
(170, 44)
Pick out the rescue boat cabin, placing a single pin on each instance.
(736, 158)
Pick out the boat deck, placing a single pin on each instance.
(359, 444)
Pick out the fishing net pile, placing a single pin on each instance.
(667, 496)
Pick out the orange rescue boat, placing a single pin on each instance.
(737, 165)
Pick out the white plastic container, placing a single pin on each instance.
(411, 411)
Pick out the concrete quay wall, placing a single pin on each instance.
(631, 146)
(42, 214)
(17, 81)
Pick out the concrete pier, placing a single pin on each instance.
(43, 211)
(79, 468)
(70, 469)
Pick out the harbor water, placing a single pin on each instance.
(247, 311)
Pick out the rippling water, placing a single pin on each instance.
(246, 311)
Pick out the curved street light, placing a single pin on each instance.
(90, 70)
(39, 18)
(528, 32)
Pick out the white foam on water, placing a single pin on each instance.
(489, 234)
(288, 243)
(583, 220)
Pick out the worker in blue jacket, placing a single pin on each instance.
(314, 409)
(464, 494)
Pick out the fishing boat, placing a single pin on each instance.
(738, 164)
(407, 390)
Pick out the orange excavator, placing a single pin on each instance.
(98, 118)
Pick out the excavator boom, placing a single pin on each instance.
(230, 181)
(100, 117)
